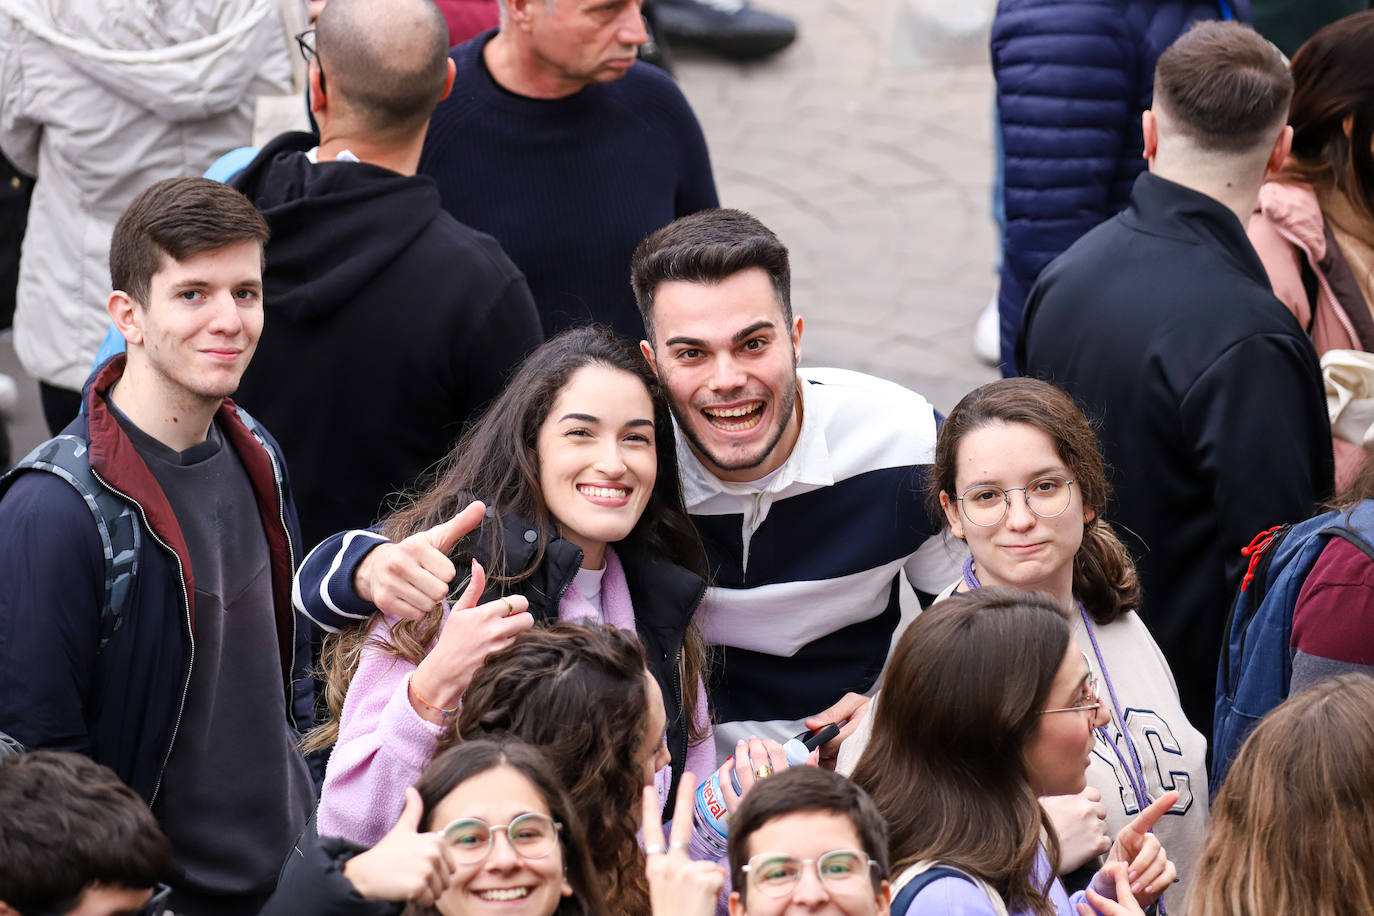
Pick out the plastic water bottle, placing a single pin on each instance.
(710, 816)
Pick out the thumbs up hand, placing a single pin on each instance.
(409, 578)
(470, 634)
(405, 865)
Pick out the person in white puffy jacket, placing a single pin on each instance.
(98, 101)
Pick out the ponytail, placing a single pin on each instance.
(1104, 577)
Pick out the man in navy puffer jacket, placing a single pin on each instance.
(1073, 78)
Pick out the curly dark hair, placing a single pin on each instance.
(578, 694)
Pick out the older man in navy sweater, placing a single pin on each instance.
(568, 151)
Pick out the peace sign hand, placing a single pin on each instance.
(677, 885)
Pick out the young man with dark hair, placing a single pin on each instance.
(1161, 322)
(806, 486)
(76, 841)
(146, 557)
(808, 840)
(411, 320)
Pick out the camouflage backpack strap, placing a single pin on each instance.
(117, 520)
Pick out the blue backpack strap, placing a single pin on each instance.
(902, 902)
(121, 534)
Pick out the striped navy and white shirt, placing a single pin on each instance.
(804, 565)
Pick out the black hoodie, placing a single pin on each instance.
(389, 324)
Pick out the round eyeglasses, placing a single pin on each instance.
(986, 505)
(1090, 698)
(840, 870)
(532, 836)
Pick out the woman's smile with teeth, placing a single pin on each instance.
(603, 492)
(513, 893)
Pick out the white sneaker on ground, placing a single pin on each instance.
(986, 339)
(9, 396)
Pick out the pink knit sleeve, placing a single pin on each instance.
(383, 747)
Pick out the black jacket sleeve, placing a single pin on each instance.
(1258, 418)
(312, 883)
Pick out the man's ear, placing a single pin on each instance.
(317, 96)
(796, 341)
(126, 315)
(1282, 146)
(1150, 128)
(518, 11)
(448, 80)
(647, 349)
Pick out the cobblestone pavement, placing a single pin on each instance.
(867, 147)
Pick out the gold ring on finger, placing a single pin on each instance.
(763, 771)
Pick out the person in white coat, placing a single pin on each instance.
(98, 101)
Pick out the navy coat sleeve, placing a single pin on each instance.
(52, 568)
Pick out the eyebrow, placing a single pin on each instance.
(200, 284)
(737, 337)
(588, 418)
(1052, 471)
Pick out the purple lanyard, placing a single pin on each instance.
(1135, 774)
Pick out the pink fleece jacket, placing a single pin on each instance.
(384, 744)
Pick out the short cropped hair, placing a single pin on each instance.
(179, 218)
(67, 822)
(389, 62)
(800, 790)
(708, 247)
(1224, 87)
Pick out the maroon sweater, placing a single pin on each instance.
(1333, 621)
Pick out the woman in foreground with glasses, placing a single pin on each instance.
(487, 828)
(987, 703)
(1018, 476)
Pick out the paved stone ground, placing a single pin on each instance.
(867, 147)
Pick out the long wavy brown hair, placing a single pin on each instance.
(496, 461)
(449, 770)
(1333, 89)
(961, 699)
(1104, 577)
(1292, 829)
(579, 695)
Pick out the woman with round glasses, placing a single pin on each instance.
(488, 828)
(1018, 476)
(988, 704)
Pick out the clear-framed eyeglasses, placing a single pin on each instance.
(532, 836)
(840, 870)
(1089, 699)
(986, 505)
